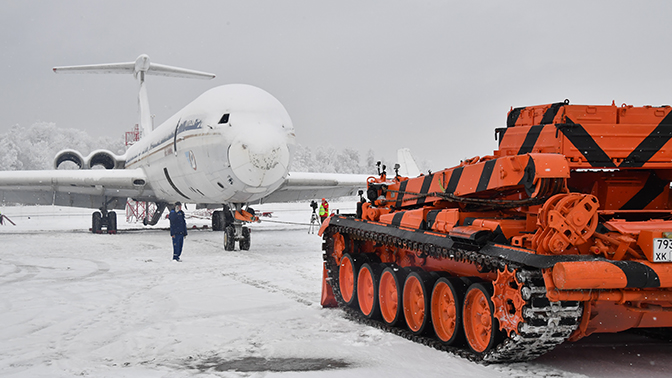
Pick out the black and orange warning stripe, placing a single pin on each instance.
(472, 178)
(591, 140)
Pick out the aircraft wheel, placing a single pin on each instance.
(244, 243)
(389, 294)
(111, 222)
(446, 309)
(229, 238)
(96, 222)
(480, 327)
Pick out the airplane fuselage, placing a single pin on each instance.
(232, 144)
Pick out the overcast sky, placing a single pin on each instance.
(434, 76)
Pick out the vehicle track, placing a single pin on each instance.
(546, 324)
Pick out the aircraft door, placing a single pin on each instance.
(175, 137)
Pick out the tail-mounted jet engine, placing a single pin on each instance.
(104, 158)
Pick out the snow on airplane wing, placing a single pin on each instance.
(307, 185)
(78, 188)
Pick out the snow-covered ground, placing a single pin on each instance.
(77, 304)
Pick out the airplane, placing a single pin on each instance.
(228, 148)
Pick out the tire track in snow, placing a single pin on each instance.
(30, 272)
(531, 369)
(300, 297)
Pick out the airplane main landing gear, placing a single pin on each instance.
(104, 219)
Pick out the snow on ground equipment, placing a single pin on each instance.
(565, 231)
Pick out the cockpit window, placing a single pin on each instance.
(225, 118)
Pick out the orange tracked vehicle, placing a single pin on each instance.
(565, 231)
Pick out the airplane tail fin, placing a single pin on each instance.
(408, 167)
(141, 67)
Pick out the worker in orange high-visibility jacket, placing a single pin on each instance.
(324, 210)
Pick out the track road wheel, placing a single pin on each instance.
(229, 238)
(347, 278)
(244, 243)
(96, 222)
(416, 300)
(111, 222)
(389, 294)
(446, 308)
(480, 328)
(367, 290)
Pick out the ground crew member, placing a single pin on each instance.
(324, 210)
(178, 230)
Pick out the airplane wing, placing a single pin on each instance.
(307, 185)
(78, 188)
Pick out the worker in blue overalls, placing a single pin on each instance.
(178, 229)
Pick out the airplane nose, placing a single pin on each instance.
(260, 159)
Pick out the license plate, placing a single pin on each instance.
(662, 250)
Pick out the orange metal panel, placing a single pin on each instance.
(327, 299)
(645, 242)
(613, 317)
(467, 232)
(584, 114)
(642, 115)
(524, 139)
(413, 218)
(445, 220)
(634, 228)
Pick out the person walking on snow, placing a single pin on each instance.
(324, 210)
(178, 230)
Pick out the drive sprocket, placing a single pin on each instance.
(508, 300)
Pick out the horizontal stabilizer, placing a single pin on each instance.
(111, 68)
(163, 70)
(140, 68)
(142, 64)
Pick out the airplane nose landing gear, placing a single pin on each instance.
(231, 222)
(237, 232)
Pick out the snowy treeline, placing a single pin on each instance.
(348, 160)
(36, 146)
(330, 160)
